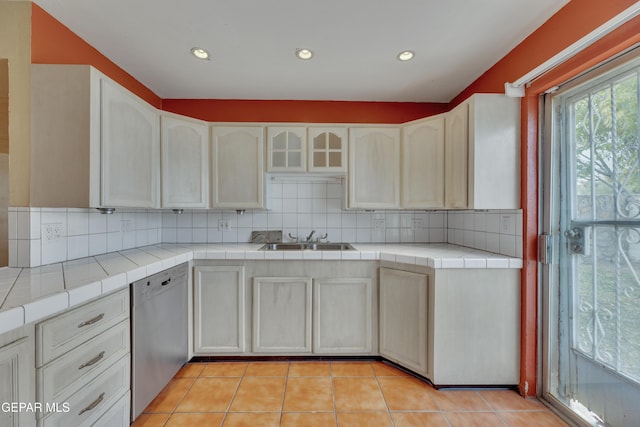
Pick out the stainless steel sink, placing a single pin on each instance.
(307, 246)
(329, 247)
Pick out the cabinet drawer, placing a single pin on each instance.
(62, 333)
(89, 403)
(118, 414)
(72, 371)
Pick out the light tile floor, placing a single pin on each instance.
(329, 394)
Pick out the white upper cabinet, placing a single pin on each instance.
(423, 164)
(327, 149)
(237, 162)
(287, 148)
(494, 152)
(93, 143)
(456, 148)
(374, 168)
(130, 149)
(185, 162)
(482, 153)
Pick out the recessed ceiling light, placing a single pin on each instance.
(304, 53)
(200, 53)
(406, 55)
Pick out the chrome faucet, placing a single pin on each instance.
(308, 239)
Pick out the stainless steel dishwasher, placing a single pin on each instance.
(158, 333)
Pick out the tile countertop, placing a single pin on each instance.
(28, 295)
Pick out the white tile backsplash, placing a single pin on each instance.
(494, 231)
(82, 233)
(297, 208)
(77, 246)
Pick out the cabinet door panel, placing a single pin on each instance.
(282, 315)
(403, 318)
(238, 167)
(287, 149)
(374, 168)
(456, 157)
(17, 381)
(327, 150)
(185, 164)
(423, 165)
(130, 149)
(219, 314)
(494, 140)
(342, 319)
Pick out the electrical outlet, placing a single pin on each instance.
(223, 225)
(378, 224)
(52, 232)
(505, 223)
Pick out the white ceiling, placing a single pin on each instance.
(252, 43)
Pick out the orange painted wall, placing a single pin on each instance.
(221, 110)
(575, 20)
(53, 43)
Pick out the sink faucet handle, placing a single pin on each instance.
(293, 238)
(324, 237)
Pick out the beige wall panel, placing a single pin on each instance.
(15, 46)
(4, 106)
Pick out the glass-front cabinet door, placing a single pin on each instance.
(327, 149)
(287, 149)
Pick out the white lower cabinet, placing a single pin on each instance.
(474, 332)
(219, 309)
(17, 375)
(118, 415)
(342, 316)
(403, 318)
(91, 402)
(282, 315)
(457, 327)
(69, 371)
(83, 364)
(285, 308)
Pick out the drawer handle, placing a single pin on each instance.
(93, 404)
(92, 361)
(91, 321)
